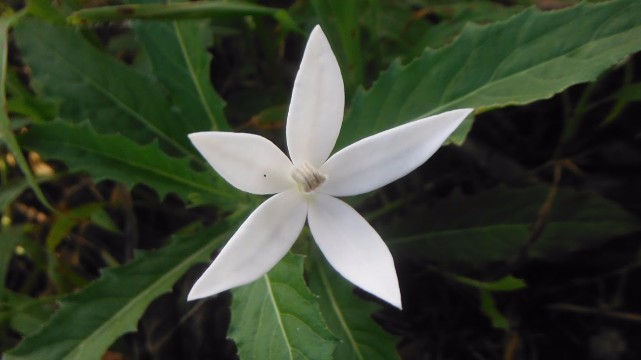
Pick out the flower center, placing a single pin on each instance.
(308, 177)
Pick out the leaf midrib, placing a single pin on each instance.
(144, 121)
(525, 225)
(192, 75)
(272, 299)
(338, 312)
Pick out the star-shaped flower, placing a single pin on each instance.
(306, 185)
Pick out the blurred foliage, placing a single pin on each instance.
(519, 241)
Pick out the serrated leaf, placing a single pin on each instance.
(117, 158)
(63, 222)
(277, 317)
(528, 57)
(23, 102)
(501, 223)
(456, 14)
(95, 87)
(90, 320)
(25, 314)
(349, 317)
(178, 54)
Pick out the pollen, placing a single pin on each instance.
(308, 177)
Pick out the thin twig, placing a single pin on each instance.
(542, 216)
(621, 315)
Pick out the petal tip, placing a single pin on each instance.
(397, 303)
(316, 31)
(194, 294)
(320, 45)
(460, 114)
(467, 111)
(202, 288)
(393, 297)
(198, 291)
(192, 136)
(199, 136)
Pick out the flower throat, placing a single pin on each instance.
(307, 177)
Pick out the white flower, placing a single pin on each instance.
(305, 186)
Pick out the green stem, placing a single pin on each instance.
(574, 120)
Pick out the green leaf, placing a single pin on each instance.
(188, 10)
(453, 16)
(506, 283)
(500, 224)
(95, 87)
(23, 102)
(23, 313)
(6, 132)
(9, 238)
(460, 134)
(631, 92)
(489, 309)
(349, 317)
(117, 158)
(627, 94)
(340, 21)
(277, 317)
(178, 54)
(11, 191)
(101, 218)
(63, 222)
(46, 10)
(90, 320)
(531, 56)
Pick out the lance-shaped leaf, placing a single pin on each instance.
(25, 314)
(95, 87)
(341, 20)
(90, 320)
(528, 57)
(115, 157)
(349, 317)
(502, 223)
(164, 11)
(277, 317)
(6, 132)
(178, 54)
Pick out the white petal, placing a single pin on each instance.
(353, 247)
(316, 110)
(382, 158)
(249, 162)
(262, 240)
